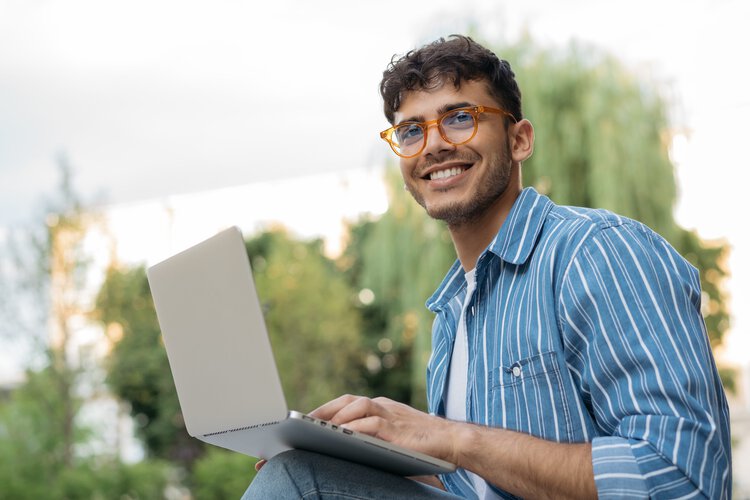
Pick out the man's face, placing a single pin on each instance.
(456, 184)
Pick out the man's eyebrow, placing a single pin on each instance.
(441, 110)
(449, 107)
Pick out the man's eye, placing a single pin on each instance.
(459, 119)
(409, 134)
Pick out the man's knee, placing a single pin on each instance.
(300, 474)
(291, 462)
(281, 476)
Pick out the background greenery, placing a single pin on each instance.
(354, 324)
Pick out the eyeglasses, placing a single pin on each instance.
(456, 127)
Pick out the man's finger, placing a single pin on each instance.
(331, 408)
(373, 426)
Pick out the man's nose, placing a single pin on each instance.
(435, 142)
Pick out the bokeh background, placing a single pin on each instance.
(129, 131)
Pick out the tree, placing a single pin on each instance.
(34, 454)
(602, 140)
(49, 280)
(399, 260)
(221, 474)
(314, 330)
(42, 441)
(137, 368)
(34, 450)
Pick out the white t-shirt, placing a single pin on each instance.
(458, 380)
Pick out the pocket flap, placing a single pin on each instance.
(524, 369)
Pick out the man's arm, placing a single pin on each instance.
(517, 463)
(637, 348)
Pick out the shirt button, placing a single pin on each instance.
(516, 371)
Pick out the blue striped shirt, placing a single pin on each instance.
(585, 327)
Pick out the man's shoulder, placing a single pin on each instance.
(534, 205)
(593, 217)
(537, 222)
(579, 227)
(571, 229)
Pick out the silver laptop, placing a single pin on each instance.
(224, 369)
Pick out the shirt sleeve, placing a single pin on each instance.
(638, 348)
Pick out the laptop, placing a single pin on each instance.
(224, 370)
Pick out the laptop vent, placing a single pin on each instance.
(242, 428)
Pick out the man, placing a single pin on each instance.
(569, 356)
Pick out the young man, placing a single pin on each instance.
(569, 355)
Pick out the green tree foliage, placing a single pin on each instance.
(34, 447)
(601, 134)
(221, 474)
(602, 140)
(51, 276)
(313, 326)
(43, 445)
(92, 479)
(35, 461)
(711, 260)
(401, 258)
(138, 370)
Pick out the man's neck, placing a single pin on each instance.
(472, 238)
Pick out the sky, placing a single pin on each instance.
(153, 98)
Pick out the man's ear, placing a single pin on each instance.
(521, 140)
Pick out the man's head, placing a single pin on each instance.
(458, 130)
(454, 61)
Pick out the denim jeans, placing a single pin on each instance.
(307, 475)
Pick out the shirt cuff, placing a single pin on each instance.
(616, 471)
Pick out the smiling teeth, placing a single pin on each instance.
(444, 174)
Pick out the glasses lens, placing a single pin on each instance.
(458, 126)
(409, 138)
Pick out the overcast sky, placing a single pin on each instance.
(153, 97)
(148, 98)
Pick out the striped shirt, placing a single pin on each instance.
(585, 327)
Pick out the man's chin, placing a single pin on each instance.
(454, 214)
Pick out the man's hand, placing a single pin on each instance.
(518, 463)
(393, 422)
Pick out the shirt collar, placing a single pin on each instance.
(519, 233)
(513, 244)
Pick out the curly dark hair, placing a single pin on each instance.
(458, 59)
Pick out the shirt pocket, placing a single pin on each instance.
(529, 396)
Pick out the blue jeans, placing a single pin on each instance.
(307, 475)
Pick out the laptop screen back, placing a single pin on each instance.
(215, 335)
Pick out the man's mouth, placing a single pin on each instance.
(445, 173)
